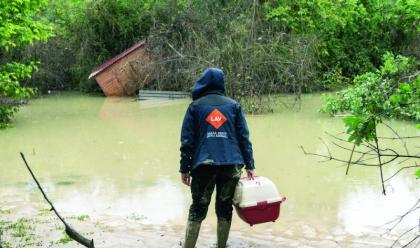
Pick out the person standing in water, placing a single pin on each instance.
(215, 146)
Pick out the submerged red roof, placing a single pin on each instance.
(116, 58)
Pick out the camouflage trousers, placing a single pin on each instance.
(204, 179)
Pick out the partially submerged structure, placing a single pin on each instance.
(153, 94)
(125, 73)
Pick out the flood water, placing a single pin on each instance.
(115, 161)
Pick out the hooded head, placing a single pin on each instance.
(211, 82)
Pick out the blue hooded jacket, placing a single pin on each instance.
(214, 131)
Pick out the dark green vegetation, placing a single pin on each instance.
(265, 47)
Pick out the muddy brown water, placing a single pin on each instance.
(111, 168)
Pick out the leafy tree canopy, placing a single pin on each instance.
(19, 26)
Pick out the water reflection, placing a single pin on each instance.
(116, 160)
(157, 204)
(365, 209)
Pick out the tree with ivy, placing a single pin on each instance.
(19, 27)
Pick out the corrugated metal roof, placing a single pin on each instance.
(116, 58)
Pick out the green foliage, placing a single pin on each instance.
(7, 245)
(361, 128)
(18, 24)
(333, 80)
(264, 46)
(18, 27)
(83, 217)
(11, 90)
(102, 30)
(22, 229)
(11, 74)
(65, 239)
(353, 34)
(235, 37)
(391, 91)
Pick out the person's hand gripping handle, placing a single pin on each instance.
(186, 178)
(250, 174)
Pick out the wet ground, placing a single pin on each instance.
(110, 166)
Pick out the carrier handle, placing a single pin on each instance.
(249, 178)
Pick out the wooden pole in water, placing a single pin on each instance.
(378, 152)
(68, 229)
(351, 156)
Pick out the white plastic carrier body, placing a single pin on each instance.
(251, 192)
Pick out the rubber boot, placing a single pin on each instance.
(191, 234)
(223, 228)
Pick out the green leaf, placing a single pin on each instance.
(405, 87)
(395, 98)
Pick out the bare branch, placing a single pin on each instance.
(326, 146)
(380, 165)
(398, 136)
(341, 160)
(351, 150)
(398, 171)
(368, 151)
(351, 156)
(403, 234)
(405, 137)
(400, 218)
(414, 239)
(402, 161)
(346, 141)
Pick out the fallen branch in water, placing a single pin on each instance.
(366, 151)
(68, 229)
(405, 233)
(398, 220)
(395, 222)
(359, 155)
(398, 171)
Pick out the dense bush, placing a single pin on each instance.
(391, 91)
(262, 41)
(264, 46)
(237, 38)
(185, 37)
(88, 34)
(353, 35)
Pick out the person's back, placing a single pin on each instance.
(214, 147)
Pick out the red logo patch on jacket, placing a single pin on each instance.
(216, 118)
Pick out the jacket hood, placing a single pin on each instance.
(211, 81)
